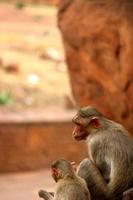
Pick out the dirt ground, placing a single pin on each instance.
(25, 185)
(32, 64)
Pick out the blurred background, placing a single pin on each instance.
(36, 104)
(32, 63)
(55, 57)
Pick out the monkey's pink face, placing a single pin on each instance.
(84, 126)
(79, 132)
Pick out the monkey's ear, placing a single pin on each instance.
(95, 122)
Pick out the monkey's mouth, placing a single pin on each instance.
(83, 136)
(79, 133)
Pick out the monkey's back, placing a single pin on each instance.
(72, 189)
(113, 154)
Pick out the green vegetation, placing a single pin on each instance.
(5, 98)
(20, 5)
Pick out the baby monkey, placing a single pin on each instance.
(69, 186)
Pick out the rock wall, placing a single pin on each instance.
(34, 145)
(98, 40)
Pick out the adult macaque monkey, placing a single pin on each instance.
(109, 169)
(69, 185)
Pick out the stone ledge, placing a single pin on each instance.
(36, 116)
(29, 143)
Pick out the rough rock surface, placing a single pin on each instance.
(98, 40)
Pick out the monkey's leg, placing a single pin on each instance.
(45, 195)
(95, 182)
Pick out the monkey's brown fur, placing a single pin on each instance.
(69, 186)
(109, 169)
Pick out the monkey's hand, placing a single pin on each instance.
(41, 193)
(74, 165)
(45, 195)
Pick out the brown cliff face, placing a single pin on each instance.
(98, 40)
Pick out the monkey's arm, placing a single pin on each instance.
(95, 181)
(45, 195)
